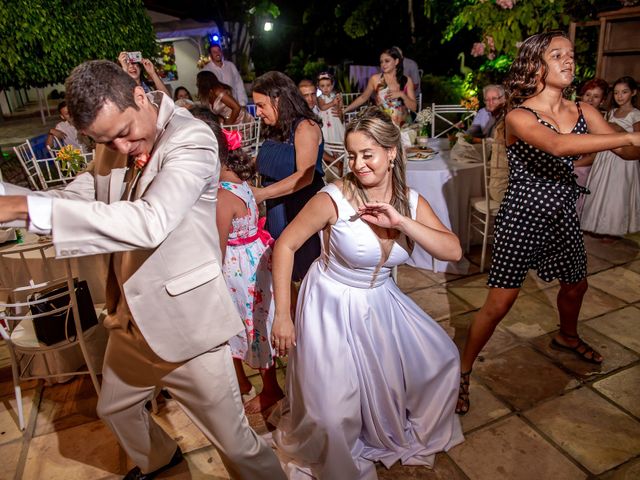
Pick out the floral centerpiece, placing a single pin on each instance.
(71, 159)
(470, 103)
(424, 119)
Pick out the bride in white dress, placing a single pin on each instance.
(370, 376)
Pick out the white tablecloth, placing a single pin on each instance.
(447, 186)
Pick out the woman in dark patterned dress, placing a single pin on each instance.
(537, 226)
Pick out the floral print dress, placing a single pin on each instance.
(247, 270)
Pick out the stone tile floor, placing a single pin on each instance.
(535, 413)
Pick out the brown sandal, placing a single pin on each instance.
(582, 349)
(462, 407)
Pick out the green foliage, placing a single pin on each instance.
(42, 40)
(345, 84)
(363, 19)
(442, 89)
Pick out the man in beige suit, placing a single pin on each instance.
(169, 310)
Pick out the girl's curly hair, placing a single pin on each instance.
(521, 82)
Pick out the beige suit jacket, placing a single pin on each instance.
(166, 274)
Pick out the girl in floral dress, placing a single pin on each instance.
(246, 249)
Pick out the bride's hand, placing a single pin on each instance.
(283, 334)
(381, 214)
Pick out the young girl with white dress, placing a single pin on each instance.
(613, 208)
(328, 103)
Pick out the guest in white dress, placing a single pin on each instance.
(613, 208)
(594, 92)
(330, 106)
(370, 376)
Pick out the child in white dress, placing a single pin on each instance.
(246, 249)
(328, 103)
(613, 208)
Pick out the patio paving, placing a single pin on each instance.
(536, 413)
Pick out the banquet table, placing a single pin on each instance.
(93, 269)
(447, 185)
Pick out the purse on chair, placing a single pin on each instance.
(54, 328)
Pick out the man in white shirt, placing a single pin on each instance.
(411, 70)
(310, 94)
(226, 73)
(64, 131)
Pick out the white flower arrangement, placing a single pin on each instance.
(424, 119)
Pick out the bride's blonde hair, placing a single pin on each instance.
(377, 125)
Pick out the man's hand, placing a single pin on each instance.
(13, 207)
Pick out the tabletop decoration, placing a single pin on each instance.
(424, 118)
(71, 159)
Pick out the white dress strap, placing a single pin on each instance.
(345, 209)
(413, 203)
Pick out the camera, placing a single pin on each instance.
(134, 57)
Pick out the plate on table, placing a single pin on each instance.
(420, 155)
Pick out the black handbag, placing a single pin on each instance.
(59, 326)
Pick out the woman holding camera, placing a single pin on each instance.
(132, 67)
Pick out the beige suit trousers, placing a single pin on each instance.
(206, 388)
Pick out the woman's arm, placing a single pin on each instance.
(235, 107)
(153, 75)
(408, 97)
(364, 96)
(123, 60)
(522, 124)
(315, 215)
(322, 105)
(225, 213)
(585, 160)
(307, 141)
(426, 230)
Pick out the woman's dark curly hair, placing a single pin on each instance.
(521, 82)
(288, 102)
(396, 54)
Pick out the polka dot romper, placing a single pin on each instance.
(537, 226)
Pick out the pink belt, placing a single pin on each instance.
(261, 234)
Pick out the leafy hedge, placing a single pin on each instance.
(42, 40)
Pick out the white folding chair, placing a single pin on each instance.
(438, 114)
(51, 174)
(483, 210)
(250, 133)
(19, 300)
(27, 160)
(338, 166)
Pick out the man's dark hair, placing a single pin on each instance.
(61, 105)
(92, 84)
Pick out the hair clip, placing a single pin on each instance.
(325, 76)
(234, 139)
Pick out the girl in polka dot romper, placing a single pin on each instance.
(537, 226)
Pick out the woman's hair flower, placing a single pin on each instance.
(234, 139)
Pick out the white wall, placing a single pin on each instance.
(186, 60)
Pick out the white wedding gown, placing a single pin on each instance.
(372, 377)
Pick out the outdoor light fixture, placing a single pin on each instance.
(215, 38)
(268, 26)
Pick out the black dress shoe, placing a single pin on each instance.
(136, 474)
